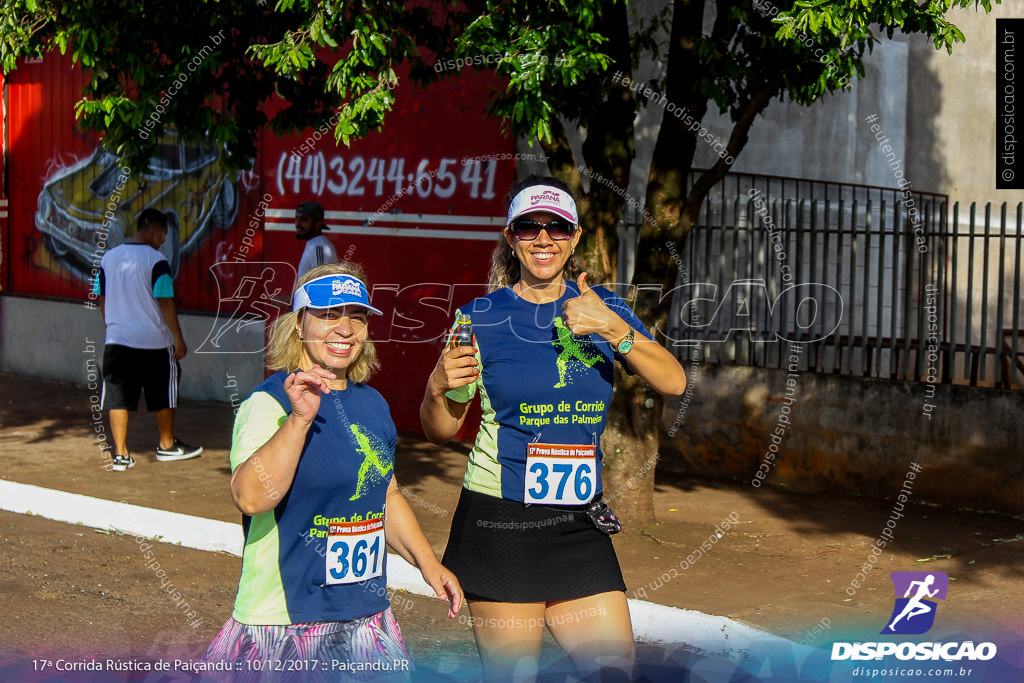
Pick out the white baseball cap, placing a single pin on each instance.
(543, 198)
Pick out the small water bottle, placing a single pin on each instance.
(463, 333)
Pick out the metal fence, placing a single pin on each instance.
(873, 282)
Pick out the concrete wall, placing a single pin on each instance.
(951, 111)
(850, 435)
(829, 140)
(939, 111)
(56, 340)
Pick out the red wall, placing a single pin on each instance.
(4, 223)
(421, 247)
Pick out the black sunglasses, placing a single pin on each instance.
(558, 229)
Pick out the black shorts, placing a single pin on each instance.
(127, 371)
(505, 551)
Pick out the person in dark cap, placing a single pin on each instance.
(309, 223)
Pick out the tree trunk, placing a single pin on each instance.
(630, 446)
(630, 441)
(675, 145)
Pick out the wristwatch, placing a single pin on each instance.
(626, 345)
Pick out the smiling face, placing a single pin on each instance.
(332, 337)
(542, 259)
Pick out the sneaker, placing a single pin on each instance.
(179, 451)
(120, 463)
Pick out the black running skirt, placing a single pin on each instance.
(504, 551)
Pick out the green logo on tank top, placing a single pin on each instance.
(573, 348)
(371, 459)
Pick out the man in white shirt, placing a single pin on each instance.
(143, 342)
(309, 223)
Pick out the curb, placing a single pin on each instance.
(652, 623)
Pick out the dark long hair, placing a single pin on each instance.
(505, 268)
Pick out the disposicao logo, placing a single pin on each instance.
(913, 613)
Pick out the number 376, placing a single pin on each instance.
(581, 481)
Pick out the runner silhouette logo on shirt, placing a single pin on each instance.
(572, 348)
(373, 458)
(914, 611)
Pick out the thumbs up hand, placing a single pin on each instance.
(588, 314)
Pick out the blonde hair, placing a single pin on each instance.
(285, 349)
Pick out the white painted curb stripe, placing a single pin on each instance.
(171, 527)
(652, 623)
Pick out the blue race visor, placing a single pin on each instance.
(331, 291)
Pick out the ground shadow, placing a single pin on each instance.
(966, 541)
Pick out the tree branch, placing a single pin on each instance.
(559, 154)
(737, 140)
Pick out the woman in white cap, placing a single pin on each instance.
(530, 538)
(312, 458)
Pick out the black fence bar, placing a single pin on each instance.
(1014, 360)
(889, 270)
